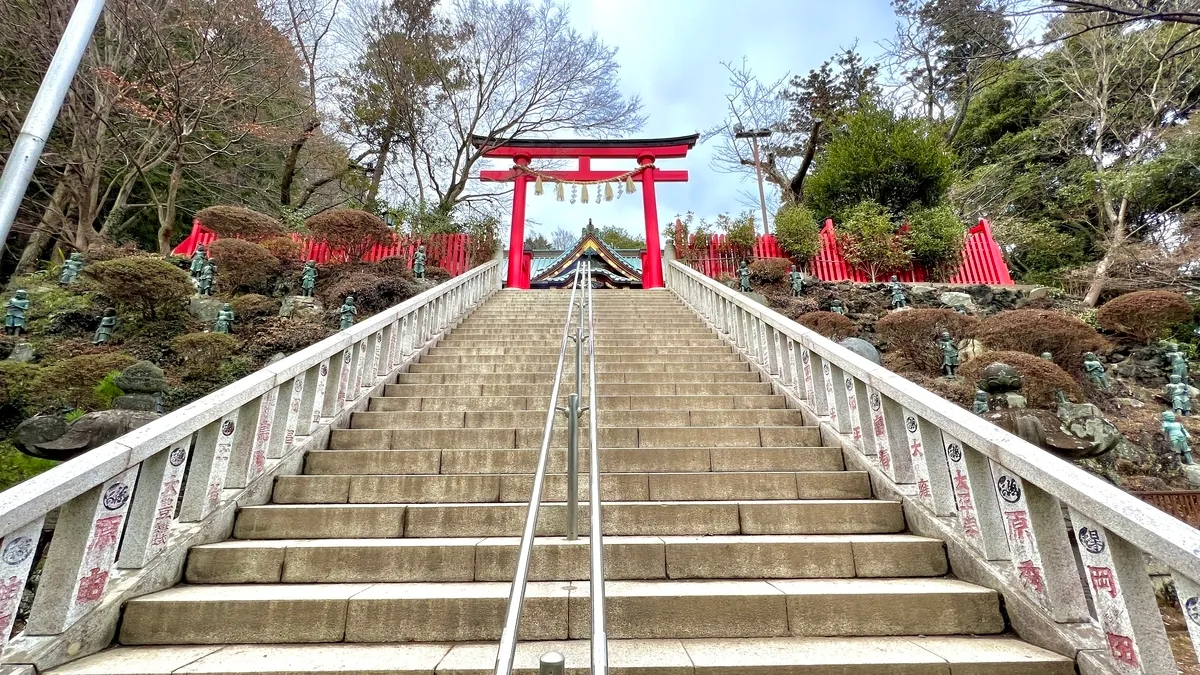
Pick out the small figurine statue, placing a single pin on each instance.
(419, 262)
(224, 322)
(743, 271)
(797, 279)
(349, 311)
(199, 260)
(1178, 437)
(14, 319)
(108, 323)
(206, 278)
(308, 279)
(950, 360)
(1095, 371)
(899, 298)
(959, 309)
(836, 307)
(980, 405)
(1047, 356)
(70, 269)
(1179, 366)
(1180, 395)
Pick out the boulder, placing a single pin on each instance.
(862, 348)
(1076, 438)
(205, 308)
(52, 437)
(954, 299)
(22, 353)
(301, 307)
(1039, 293)
(143, 384)
(969, 349)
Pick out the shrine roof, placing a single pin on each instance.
(689, 141)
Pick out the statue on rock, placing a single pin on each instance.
(836, 307)
(959, 309)
(899, 297)
(143, 384)
(308, 279)
(743, 271)
(980, 405)
(1003, 383)
(950, 358)
(206, 278)
(1177, 436)
(70, 269)
(1095, 371)
(797, 279)
(225, 320)
(1179, 366)
(1180, 396)
(419, 262)
(348, 312)
(108, 323)
(14, 318)
(199, 260)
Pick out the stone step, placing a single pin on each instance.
(601, 350)
(516, 487)
(374, 521)
(606, 403)
(612, 460)
(545, 378)
(735, 389)
(604, 362)
(549, 343)
(519, 364)
(609, 437)
(297, 561)
(449, 611)
(476, 419)
(790, 655)
(690, 332)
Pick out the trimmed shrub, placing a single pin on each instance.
(1144, 315)
(935, 239)
(149, 286)
(348, 230)
(279, 335)
(74, 382)
(372, 292)
(243, 266)
(1042, 378)
(912, 334)
(770, 270)
(252, 306)
(398, 265)
(436, 274)
(1035, 331)
(798, 233)
(239, 221)
(955, 392)
(203, 353)
(830, 324)
(284, 248)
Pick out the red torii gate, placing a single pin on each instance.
(645, 151)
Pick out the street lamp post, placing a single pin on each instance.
(762, 197)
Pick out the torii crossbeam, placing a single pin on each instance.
(645, 151)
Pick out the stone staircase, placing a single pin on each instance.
(734, 542)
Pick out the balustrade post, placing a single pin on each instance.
(17, 552)
(858, 414)
(81, 556)
(810, 366)
(978, 512)
(293, 416)
(887, 427)
(839, 411)
(778, 357)
(345, 378)
(799, 385)
(279, 434)
(930, 470)
(1188, 593)
(149, 523)
(210, 463)
(247, 454)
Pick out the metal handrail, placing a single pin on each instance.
(506, 651)
(596, 539)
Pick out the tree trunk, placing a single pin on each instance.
(166, 212)
(810, 150)
(1116, 239)
(117, 212)
(50, 224)
(289, 164)
(385, 146)
(960, 115)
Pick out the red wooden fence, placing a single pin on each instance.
(451, 252)
(982, 261)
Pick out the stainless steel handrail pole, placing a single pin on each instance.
(507, 648)
(596, 539)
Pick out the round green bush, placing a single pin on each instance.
(798, 233)
(935, 239)
(149, 286)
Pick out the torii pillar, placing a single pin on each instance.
(644, 151)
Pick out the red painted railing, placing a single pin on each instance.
(451, 252)
(982, 261)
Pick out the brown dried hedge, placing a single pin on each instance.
(150, 286)
(203, 353)
(349, 230)
(279, 335)
(243, 266)
(1042, 377)
(830, 324)
(435, 273)
(913, 334)
(372, 292)
(1035, 331)
(770, 270)
(284, 248)
(1144, 315)
(239, 221)
(252, 305)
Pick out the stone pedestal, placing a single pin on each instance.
(205, 308)
(22, 353)
(301, 307)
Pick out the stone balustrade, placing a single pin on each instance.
(128, 511)
(996, 500)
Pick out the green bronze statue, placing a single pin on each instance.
(1047, 356)
(206, 278)
(950, 358)
(837, 307)
(1095, 371)
(348, 312)
(70, 269)
(225, 318)
(14, 318)
(199, 259)
(899, 297)
(308, 279)
(1180, 395)
(743, 272)
(108, 323)
(419, 262)
(797, 279)
(1179, 366)
(959, 309)
(1178, 436)
(980, 405)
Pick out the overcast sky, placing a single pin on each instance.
(670, 53)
